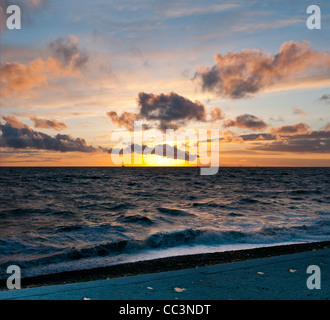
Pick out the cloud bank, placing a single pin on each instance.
(17, 135)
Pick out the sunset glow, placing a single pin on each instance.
(256, 74)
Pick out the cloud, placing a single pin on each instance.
(246, 121)
(327, 127)
(48, 124)
(216, 114)
(13, 122)
(296, 138)
(167, 108)
(298, 111)
(17, 135)
(179, 11)
(163, 111)
(299, 146)
(19, 79)
(164, 150)
(258, 137)
(325, 98)
(237, 75)
(229, 136)
(294, 129)
(126, 119)
(67, 51)
(277, 24)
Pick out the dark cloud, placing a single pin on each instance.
(246, 121)
(257, 136)
(241, 74)
(67, 51)
(300, 146)
(162, 111)
(271, 137)
(325, 134)
(163, 150)
(294, 138)
(48, 124)
(17, 135)
(169, 110)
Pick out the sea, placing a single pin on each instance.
(74, 218)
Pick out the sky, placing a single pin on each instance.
(79, 71)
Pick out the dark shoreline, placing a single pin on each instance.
(166, 264)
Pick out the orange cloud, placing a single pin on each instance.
(14, 122)
(19, 79)
(125, 120)
(48, 124)
(216, 114)
(294, 129)
(241, 74)
(327, 127)
(66, 61)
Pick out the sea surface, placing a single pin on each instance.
(60, 219)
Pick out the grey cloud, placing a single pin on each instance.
(299, 146)
(67, 51)
(246, 121)
(20, 136)
(325, 98)
(161, 150)
(163, 111)
(270, 137)
(258, 136)
(169, 108)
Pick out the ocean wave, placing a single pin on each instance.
(138, 219)
(177, 238)
(174, 212)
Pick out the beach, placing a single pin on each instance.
(237, 273)
(72, 219)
